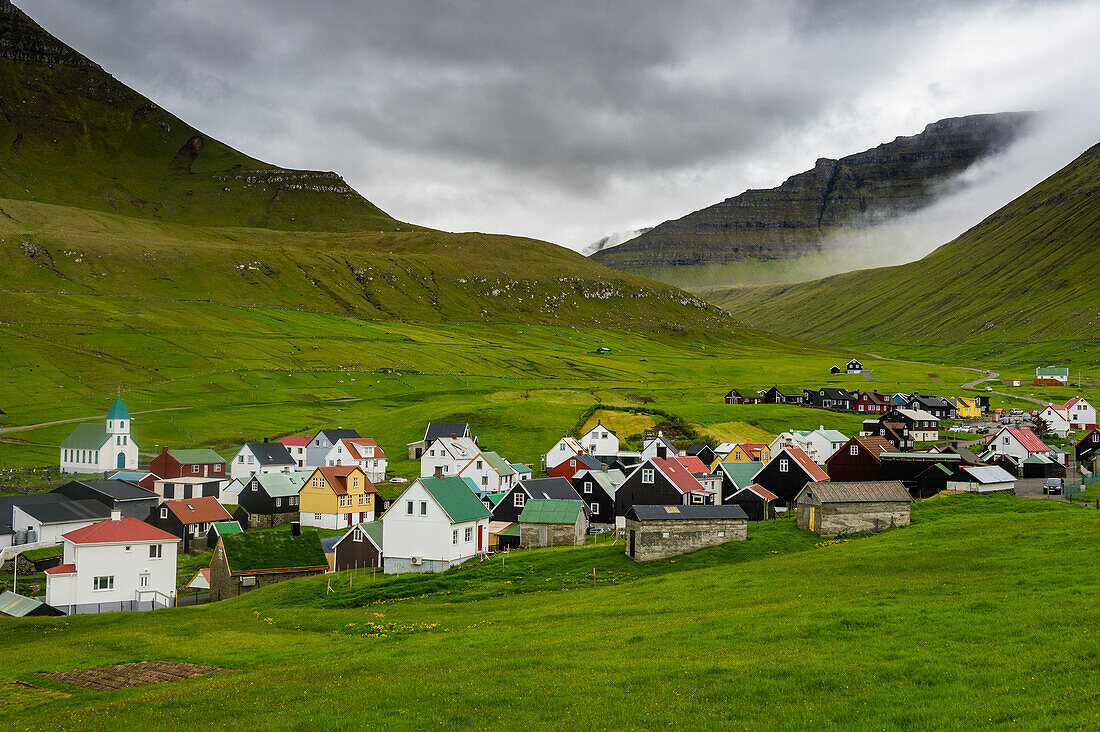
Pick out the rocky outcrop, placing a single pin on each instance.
(796, 218)
(21, 39)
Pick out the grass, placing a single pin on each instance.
(959, 621)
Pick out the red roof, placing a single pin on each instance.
(63, 569)
(1072, 401)
(693, 464)
(127, 529)
(812, 469)
(205, 509)
(680, 476)
(337, 479)
(1028, 439)
(761, 491)
(353, 443)
(296, 441)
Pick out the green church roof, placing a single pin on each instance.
(118, 410)
(86, 436)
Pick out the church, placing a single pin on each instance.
(95, 448)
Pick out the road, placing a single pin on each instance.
(25, 427)
(970, 384)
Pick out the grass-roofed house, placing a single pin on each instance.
(831, 509)
(552, 523)
(252, 559)
(436, 523)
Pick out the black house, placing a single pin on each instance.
(660, 482)
(511, 506)
(937, 407)
(854, 367)
(923, 474)
(361, 547)
(830, 398)
(1088, 449)
(597, 489)
(757, 502)
(269, 499)
(703, 452)
(787, 473)
(189, 519)
(775, 396)
(131, 499)
(835, 370)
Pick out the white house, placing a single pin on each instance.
(95, 448)
(322, 442)
(296, 445)
(231, 492)
(1020, 442)
(1057, 419)
(436, 523)
(562, 450)
(117, 564)
(982, 479)
(448, 456)
(490, 473)
(658, 446)
(49, 521)
(600, 440)
(361, 452)
(263, 458)
(1082, 415)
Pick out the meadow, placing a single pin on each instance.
(975, 616)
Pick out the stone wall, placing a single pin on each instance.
(224, 586)
(270, 520)
(833, 519)
(660, 539)
(550, 535)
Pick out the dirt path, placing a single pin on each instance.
(25, 427)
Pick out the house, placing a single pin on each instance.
(600, 440)
(231, 492)
(835, 370)
(819, 444)
(1019, 442)
(660, 482)
(133, 500)
(923, 474)
(1056, 418)
(1087, 450)
(597, 489)
(201, 463)
(434, 431)
(187, 487)
(756, 501)
(1082, 415)
(47, 522)
(702, 451)
(269, 499)
(361, 547)
(491, 499)
(748, 452)
(496, 474)
(318, 448)
(734, 397)
(552, 523)
(503, 536)
(775, 396)
(242, 562)
(296, 445)
(435, 524)
(17, 606)
(97, 448)
(986, 479)
(221, 528)
(9, 535)
(831, 509)
(662, 531)
(735, 476)
(263, 458)
(896, 433)
(189, 520)
(117, 564)
(512, 504)
(1051, 376)
(658, 446)
(337, 497)
(523, 472)
(937, 407)
(448, 456)
(569, 468)
(829, 398)
(874, 402)
(922, 426)
(362, 452)
(966, 407)
(854, 367)
(857, 460)
(900, 399)
(789, 470)
(143, 478)
(564, 449)
(201, 580)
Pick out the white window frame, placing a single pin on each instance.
(469, 536)
(156, 551)
(103, 583)
(518, 499)
(647, 475)
(784, 465)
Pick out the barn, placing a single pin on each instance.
(658, 532)
(552, 523)
(757, 501)
(831, 509)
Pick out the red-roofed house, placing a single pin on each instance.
(189, 519)
(118, 564)
(659, 482)
(362, 452)
(296, 445)
(1019, 442)
(337, 497)
(756, 500)
(788, 472)
(1056, 417)
(1082, 415)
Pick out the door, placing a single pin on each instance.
(349, 519)
(632, 542)
(121, 461)
(812, 517)
(362, 517)
(480, 537)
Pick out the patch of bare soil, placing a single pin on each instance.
(105, 678)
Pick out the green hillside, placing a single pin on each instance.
(977, 616)
(71, 134)
(1021, 286)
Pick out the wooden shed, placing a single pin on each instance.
(547, 522)
(361, 547)
(657, 532)
(831, 509)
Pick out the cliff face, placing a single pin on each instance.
(795, 218)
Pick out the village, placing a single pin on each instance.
(119, 535)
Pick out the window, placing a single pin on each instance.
(446, 468)
(518, 500)
(603, 435)
(572, 463)
(423, 508)
(409, 508)
(362, 498)
(783, 465)
(587, 486)
(469, 534)
(294, 500)
(1006, 439)
(103, 583)
(485, 480)
(431, 453)
(647, 475)
(316, 517)
(217, 468)
(316, 482)
(561, 446)
(355, 482)
(341, 500)
(454, 537)
(156, 551)
(144, 580)
(854, 449)
(595, 508)
(251, 461)
(479, 465)
(163, 512)
(240, 459)
(128, 548)
(721, 534)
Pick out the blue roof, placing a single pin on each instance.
(118, 410)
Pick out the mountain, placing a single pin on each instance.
(762, 231)
(1022, 282)
(613, 240)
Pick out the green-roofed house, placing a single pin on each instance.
(17, 606)
(221, 528)
(491, 472)
(737, 475)
(197, 463)
(360, 548)
(435, 524)
(546, 522)
(251, 559)
(1051, 376)
(99, 447)
(523, 472)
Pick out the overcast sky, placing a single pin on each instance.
(567, 120)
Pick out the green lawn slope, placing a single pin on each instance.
(976, 616)
(1020, 286)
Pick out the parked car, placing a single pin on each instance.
(989, 388)
(1053, 487)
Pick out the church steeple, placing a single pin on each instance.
(118, 419)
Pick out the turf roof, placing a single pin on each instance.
(256, 550)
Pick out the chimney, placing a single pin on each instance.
(265, 440)
(603, 466)
(662, 452)
(295, 528)
(164, 450)
(439, 471)
(116, 513)
(454, 436)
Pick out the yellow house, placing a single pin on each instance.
(748, 452)
(336, 498)
(967, 406)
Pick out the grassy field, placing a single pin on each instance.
(975, 616)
